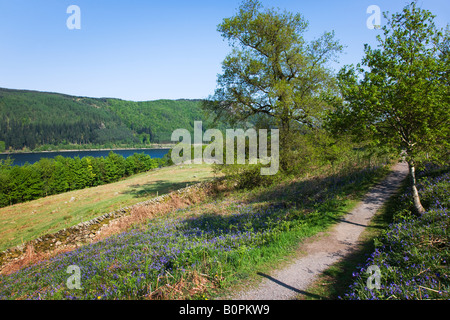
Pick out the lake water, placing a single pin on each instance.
(21, 158)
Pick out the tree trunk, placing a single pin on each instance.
(284, 143)
(418, 208)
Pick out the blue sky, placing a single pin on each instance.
(147, 50)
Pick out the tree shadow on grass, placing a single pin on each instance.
(158, 187)
(312, 193)
(217, 224)
(305, 194)
(343, 220)
(338, 278)
(294, 200)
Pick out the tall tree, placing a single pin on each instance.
(400, 94)
(272, 70)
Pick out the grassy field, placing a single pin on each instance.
(202, 251)
(27, 221)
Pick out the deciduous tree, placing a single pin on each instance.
(272, 70)
(399, 96)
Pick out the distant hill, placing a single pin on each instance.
(32, 118)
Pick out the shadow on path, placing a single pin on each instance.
(315, 296)
(340, 245)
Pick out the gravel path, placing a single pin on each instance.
(320, 252)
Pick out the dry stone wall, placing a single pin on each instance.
(83, 232)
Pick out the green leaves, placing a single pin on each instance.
(33, 119)
(272, 71)
(400, 97)
(53, 176)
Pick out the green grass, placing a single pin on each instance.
(202, 251)
(335, 281)
(27, 221)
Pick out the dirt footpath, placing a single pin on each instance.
(322, 251)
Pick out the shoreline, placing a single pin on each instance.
(159, 147)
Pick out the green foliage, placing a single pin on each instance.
(401, 100)
(156, 120)
(272, 71)
(30, 120)
(401, 97)
(245, 176)
(311, 151)
(224, 240)
(2, 146)
(26, 183)
(53, 176)
(316, 148)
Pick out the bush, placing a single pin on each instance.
(53, 176)
(245, 176)
(308, 152)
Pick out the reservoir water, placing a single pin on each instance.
(21, 158)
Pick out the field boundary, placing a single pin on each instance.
(86, 231)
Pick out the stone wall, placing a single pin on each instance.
(82, 233)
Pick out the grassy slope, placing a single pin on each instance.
(27, 221)
(217, 244)
(312, 194)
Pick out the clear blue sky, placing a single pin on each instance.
(148, 49)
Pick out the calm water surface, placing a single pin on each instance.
(21, 158)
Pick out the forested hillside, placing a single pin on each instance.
(156, 120)
(29, 119)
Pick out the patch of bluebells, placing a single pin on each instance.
(133, 264)
(128, 265)
(414, 253)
